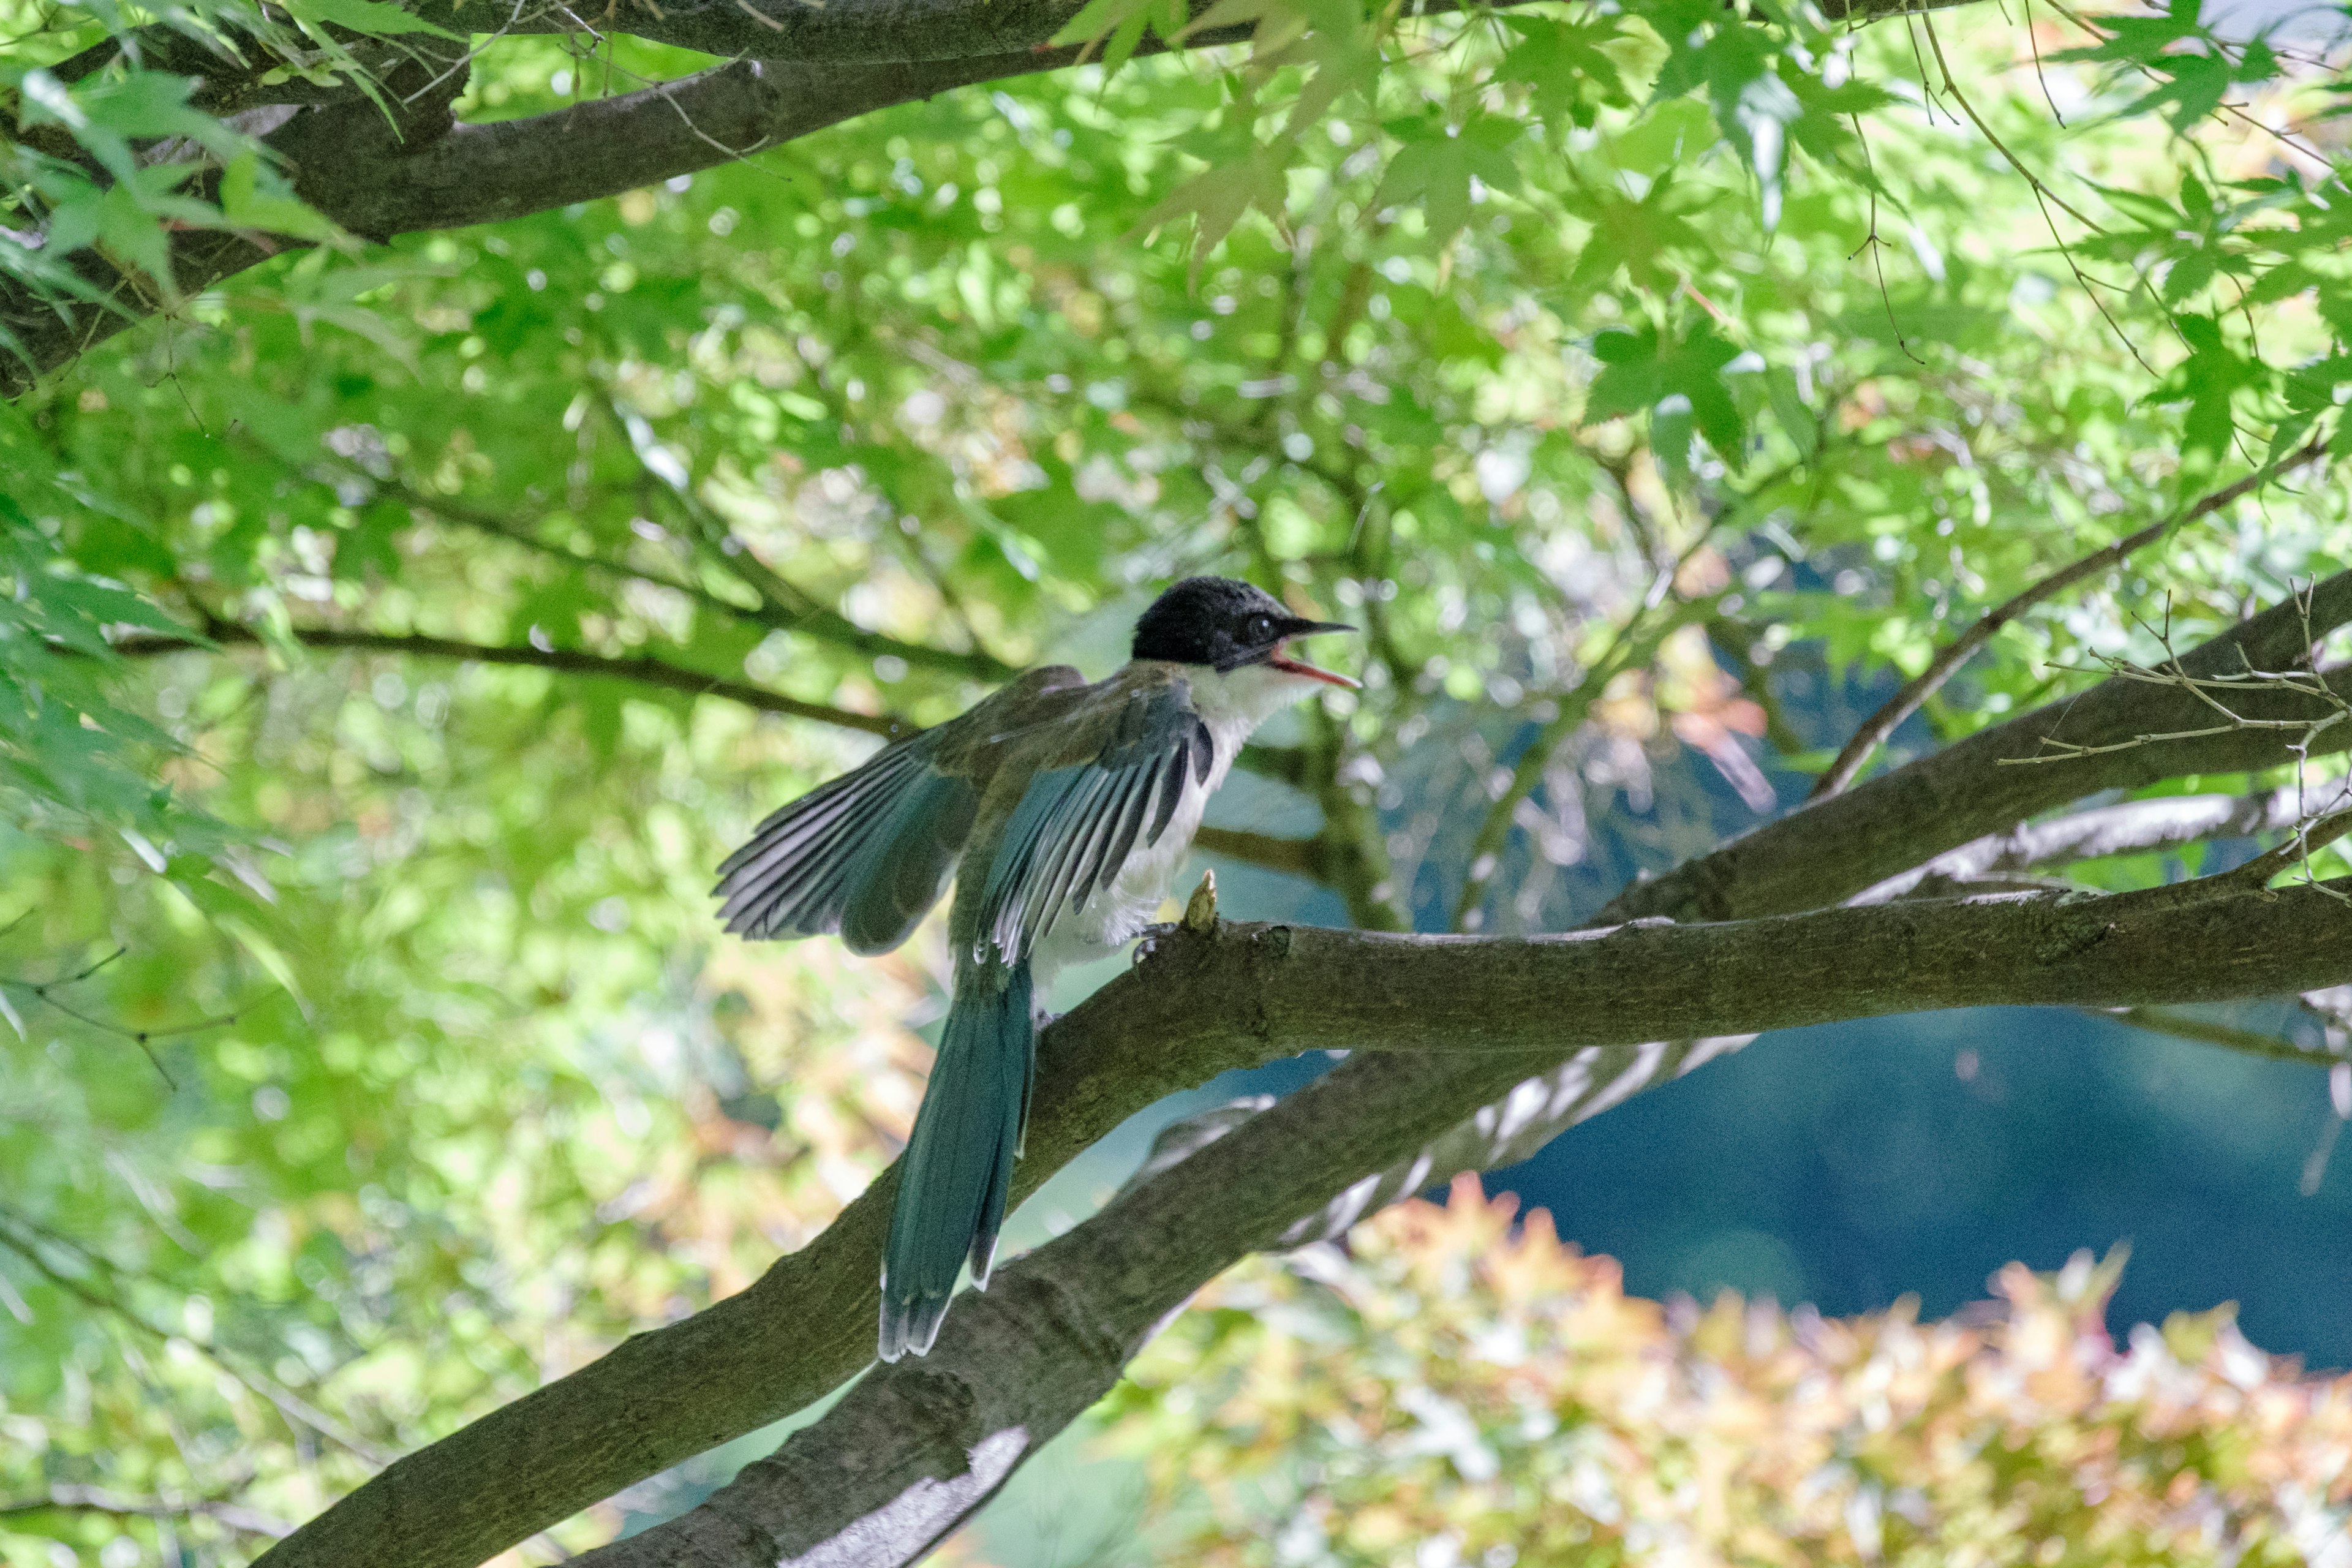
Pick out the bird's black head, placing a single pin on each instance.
(1225, 624)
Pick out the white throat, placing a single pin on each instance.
(1237, 702)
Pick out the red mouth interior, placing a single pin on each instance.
(1300, 666)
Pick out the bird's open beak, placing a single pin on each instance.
(1288, 665)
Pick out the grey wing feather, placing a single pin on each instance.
(1075, 827)
(866, 854)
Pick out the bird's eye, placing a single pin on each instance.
(1261, 628)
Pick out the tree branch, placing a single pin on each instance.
(1834, 849)
(1875, 729)
(565, 661)
(1635, 645)
(1299, 856)
(1443, 1115)
(349, 164)
(65, 1498)
(807, 1325)
(779, 605)
(914, 1446)
(794, 68)
(2204, 1031)
(2129, 827)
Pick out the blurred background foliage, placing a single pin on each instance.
(397, 636)
(1456, 1390)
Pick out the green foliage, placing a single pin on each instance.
(1454, 1391)
(1610, 368)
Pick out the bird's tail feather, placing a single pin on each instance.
(957, 1169)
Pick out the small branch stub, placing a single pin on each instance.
(1201, 909)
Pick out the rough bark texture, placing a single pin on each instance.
(1449, 1117)
(808, 1324)
(917, 1445)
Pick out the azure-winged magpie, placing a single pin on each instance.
(1069, 807)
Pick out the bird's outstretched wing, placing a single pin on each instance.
(1118, 782)
(869, 854)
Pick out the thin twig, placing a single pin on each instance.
(2183, 1026)
(1634, 641)
(296, 1410)
(1916, 691)
(567, 661)
(66, 1498)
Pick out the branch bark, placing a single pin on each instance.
(1446, 1119)
(915, 1445)
(807, 1325)
(348, 163)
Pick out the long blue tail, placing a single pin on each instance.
(957, 1168)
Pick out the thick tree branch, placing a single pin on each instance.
(1834, 849)
(808, 1323)
(1445, 1116)
(915, 1445)
(350, 165)
(1875, 729)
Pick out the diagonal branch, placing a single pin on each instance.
(1633, 645)
(2205, 1031)
(2128, 827)
(1445, 1109)
(807, 1325)
(1834, 849)
(358, 171)
(915, 1445)
(1916, 691)
(780, 605)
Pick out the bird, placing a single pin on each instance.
(1062, 809)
